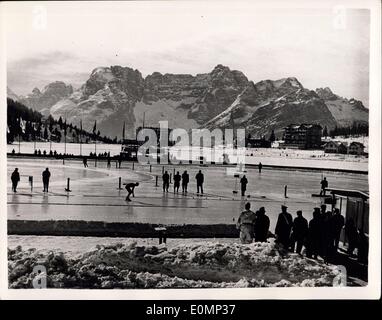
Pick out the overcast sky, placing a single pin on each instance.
(314, 45)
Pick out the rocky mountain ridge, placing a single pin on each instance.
(211, 100)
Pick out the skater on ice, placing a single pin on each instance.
(15, 178)
(177, 179)
(130, 189)
(45, 179)
(199, 181)
(243, 183)
(185, 181)
(166, 181)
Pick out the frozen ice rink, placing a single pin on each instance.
(95, 196)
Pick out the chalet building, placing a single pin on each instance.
(335, 147)
(303, 136)
(356, 148)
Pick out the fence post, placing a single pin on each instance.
(156, 181)
(150, 167)
(285, 191)
(119, 183)
(133, 165)
(68, 186)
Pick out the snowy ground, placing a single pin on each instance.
(187, 264)
(267, 156)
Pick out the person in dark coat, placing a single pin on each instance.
(85, 162)
(15, 178)
(260, 167)
(338, 222)
(166, 181)
(243, 182)
(45, 179)
(324, 186)
(185, 181)
(283, 227)
(327, 236)
(199, 181)
(299, 232)
(261, 226)
(352, 235)
(130, 189)
(177, 179)
(314, 234)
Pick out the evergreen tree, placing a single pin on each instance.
(272, 137)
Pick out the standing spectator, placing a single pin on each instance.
(185, 181)
(299, 232)
(166, 181)
(260, 167)
(314, 234)
(177, 179)
(45, 179)
(324, 186)
(243, 182)
(15, 178)
(85, 162)
(261, 226)
(352, 235)
(245, 224)
(199, 181)
(283, 227)
(338, 222)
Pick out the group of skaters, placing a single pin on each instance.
(15, 178)
(320, 236)
(183, 179)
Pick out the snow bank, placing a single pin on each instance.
(198, 265)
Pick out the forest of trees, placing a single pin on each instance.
(30, 125)
(356, 129)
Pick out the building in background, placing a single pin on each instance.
(303, 136)
(356, 148)
(336, 147)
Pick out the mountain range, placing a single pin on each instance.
(219, 99)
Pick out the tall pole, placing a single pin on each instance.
(81, 137)
(143, 124)
(95, 150)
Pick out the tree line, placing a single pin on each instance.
(27, 124)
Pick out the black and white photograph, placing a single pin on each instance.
(227, 145)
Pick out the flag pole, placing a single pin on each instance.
(81, 137)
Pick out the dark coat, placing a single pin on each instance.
(45, 176)
(185, 178)
(15, 177)
(166, 177)
(199, 178)
(244, 182)
(261, 228)
(283, 228)
(177, 178)
(300, 228)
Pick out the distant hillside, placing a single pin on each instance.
(31, 125)
(218, 99)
